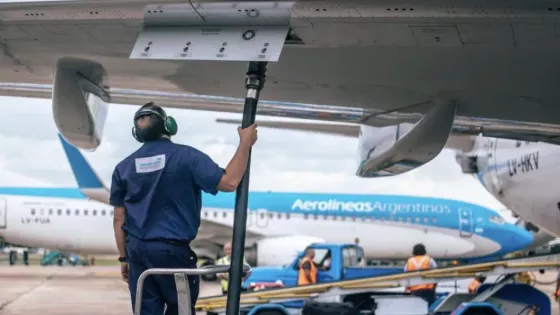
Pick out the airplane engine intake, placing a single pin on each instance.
(278, 251)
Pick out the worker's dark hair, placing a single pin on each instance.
(481, 278)
(419, 250)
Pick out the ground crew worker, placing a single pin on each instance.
(360, 254)
(421, 261)
(307, 269)
(475, 283)
(156, 192)
(226, 260)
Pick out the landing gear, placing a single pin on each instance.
(209, 278)
(254, 83)
(13, 257)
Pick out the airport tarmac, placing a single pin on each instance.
(35, 290)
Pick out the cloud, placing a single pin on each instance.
(282, 160)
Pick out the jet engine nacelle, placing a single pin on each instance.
(80, 101)
(278, 251)
(404, 146)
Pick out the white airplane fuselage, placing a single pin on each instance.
(84, 226)
(523, 176)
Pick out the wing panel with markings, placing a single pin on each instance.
(399, 280)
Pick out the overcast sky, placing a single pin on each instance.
(292, 161)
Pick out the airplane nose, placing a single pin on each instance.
(521, 239)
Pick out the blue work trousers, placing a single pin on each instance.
(159, 290)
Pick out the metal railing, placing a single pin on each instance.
(181, 283)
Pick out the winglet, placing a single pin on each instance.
(88, 181)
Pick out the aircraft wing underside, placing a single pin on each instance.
(420, 70)
(336, 120)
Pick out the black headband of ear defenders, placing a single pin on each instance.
(150, 109)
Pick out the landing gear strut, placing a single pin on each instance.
(254, 83)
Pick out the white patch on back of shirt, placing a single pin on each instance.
(150, 164)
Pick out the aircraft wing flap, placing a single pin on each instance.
(215, 232)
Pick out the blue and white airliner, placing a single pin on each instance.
(279, 224)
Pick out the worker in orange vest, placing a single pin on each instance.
(307, 269)
(421, 261)
(475, 283)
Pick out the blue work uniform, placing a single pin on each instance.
(160, 185)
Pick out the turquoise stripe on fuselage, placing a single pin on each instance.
(429, 211)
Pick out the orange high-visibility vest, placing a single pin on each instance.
(417, 263)
(473, 286)
(302, 280)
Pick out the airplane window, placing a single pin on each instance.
(50, 211)
(85, 212)
(425, 220)
(343, 218)
(497, 219)
(400, 219)
(32, 211)
(363, 219)
(334, 217)
(354, 219)
(68, 211)
(215, 214)
(287, 216)
(382, 219)
(325, 217)
(315, 217)
(271, 215)
(224, 214)
(77, 212)
(94, 212)
(103, 212)
(262, 215)
(111, 212)
(417, 219)
(59, 211)
(408, 219)
(306, 216)
(206, 214)
(279, 215)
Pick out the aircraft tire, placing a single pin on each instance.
(208, 278)
(13, 257)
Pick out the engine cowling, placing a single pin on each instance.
(404, 146)
(80, 101)
(278, 251)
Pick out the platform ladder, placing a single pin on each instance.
(181, 283)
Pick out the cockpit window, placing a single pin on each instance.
(497, 219)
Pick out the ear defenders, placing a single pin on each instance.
(169, 123)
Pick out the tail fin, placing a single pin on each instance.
(88, 181)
